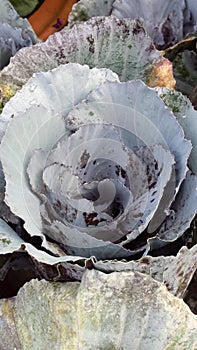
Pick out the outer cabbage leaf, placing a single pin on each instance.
(112, 117)
(10, 16)
(163, 269)
(38, 89)
(191, 23)
(121, 45)
(6, 214)
(175, 272)
(11, 242)
(166, 23)
(187, 118)
(21, 261)
(11, 41)
(180, 215)
(15, 33)
(84, 10)
(97, 313)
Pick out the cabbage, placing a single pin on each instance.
(96, 167)
(96, 170)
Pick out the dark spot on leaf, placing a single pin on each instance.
(60, 55)
(156, 166)
(138, 28)
(90, 39)
(145, 261)
(117, 170)
(58, 204)
(152, 185)
(150, 48)
(167, 284)
(125, 31)
(123, 173)
(116, 210)
(90, 219)
(89, 264)
(84, 159)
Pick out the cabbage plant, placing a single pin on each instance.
(97, 169)
(15, 32)
(96, 165)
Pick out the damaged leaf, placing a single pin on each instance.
(121, 45)
(98, 313)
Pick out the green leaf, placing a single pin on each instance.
(25, 7)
